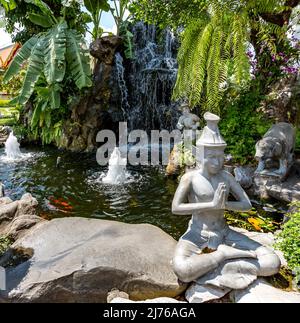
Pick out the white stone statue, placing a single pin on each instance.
(188, 121)
(277, 145)
(210, 252)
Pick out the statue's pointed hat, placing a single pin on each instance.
(210, 136)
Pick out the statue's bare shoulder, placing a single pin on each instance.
(227, 176)
(194, 177)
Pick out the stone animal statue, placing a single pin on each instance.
(277, 146)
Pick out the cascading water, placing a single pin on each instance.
(117, 169)
(120, 71)
(149, 80)
(12, 147)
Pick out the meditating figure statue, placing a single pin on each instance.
(210, 252)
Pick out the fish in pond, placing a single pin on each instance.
(61, 204)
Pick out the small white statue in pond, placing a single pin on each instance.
(188, 122)
(117, 168)
(275, 151)
(210, 252)
(181, 154)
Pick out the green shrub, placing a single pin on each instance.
(242, 126)
(288, 240)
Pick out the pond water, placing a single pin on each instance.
(74, 189)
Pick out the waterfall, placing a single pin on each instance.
(147, 81)
(120, 72)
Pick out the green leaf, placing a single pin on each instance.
(14, 101)
(8, 4)
(48, 118)
(34, 71)
(78, 60)
(43, 92)
(54, 96)
(37, 113)
(40, 20)
(127, 37)
(55, 50)
(94, 6)
(44, 8)
(19, 60)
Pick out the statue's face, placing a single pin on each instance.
(185, 109)
(213, 159)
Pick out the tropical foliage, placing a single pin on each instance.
(165, 13)
(96, 8)
(288, 240)
(216, 38)
(52, 56)
(241, 126)
(121, 14)
(21, 28)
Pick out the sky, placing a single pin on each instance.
(107, 23)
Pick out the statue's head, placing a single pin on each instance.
(210, 146)
(184, 107)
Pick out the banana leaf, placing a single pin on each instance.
(54, 96)
(37, 112)
(94, 6)
(34, 70)
(40, 20)
(44, 8)
(55, 50)
(78, 60)
(19, 60)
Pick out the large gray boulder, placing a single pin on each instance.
(81, 260)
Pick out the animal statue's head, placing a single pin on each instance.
(268, 148)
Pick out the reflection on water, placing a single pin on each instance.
(74, 189)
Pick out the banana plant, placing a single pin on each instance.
(119, 11)
(96, 8)
(50, 54)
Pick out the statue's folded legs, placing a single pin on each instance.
(192, 262)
